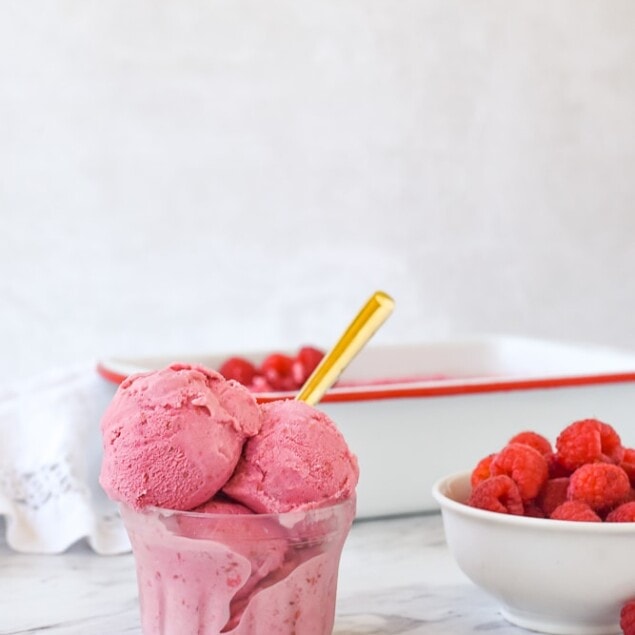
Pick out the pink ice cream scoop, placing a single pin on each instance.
(173, 437)
(299, 460)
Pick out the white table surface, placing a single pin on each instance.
(396, 577)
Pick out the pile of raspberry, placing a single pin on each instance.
(277, 372)
(589, 476)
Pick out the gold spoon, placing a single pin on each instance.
(371, 316)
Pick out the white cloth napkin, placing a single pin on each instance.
(50, 456)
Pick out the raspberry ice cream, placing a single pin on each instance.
(203, 583)
(298, 460)
(263, 542)
(173, 437)
(237, 513)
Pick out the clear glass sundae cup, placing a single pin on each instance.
(240, 574)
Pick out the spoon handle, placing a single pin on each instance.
(371, 316)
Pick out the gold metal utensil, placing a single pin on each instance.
(371, 316)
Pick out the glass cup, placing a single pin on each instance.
(240, 574)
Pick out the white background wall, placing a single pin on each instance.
(226, 174)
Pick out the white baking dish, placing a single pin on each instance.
(416, 412)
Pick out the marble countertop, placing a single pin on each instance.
(396, 577)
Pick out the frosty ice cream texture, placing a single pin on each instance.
(298, 460)
(174, 438)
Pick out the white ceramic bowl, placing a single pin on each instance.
(552, 576)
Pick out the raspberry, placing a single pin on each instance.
(481, 471)
(556, 469)
(307, 360)
(627, 618)
(625, 513)
(533, 511)
(575, 510)
(497, 494)
(553, 494)
(535, 440)
(525, 465)
(239, 369)
(628, 464)
(588, 441)
(599, 485)
(278, 371)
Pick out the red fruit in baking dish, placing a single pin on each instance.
(278, 370)
(240, 369)
(307, 359)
